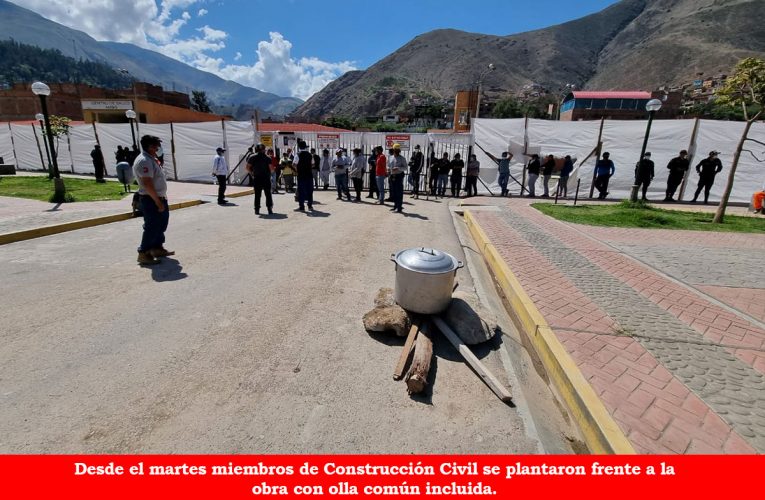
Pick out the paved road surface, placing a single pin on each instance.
(249, 340)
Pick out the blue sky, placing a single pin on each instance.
(295, 47)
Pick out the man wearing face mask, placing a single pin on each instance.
(707, 169)
(677, 167)
(644, 174)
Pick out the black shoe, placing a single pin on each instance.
(692, 201)
(257, 211)
(381, 203)
(393, 209)
(310, 207)
(270, 212)
(400, 210)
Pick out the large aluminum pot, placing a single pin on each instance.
(424, 279)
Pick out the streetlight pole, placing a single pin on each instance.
(652, 107)
(130, 114)
(480, 82)
(43, 91)
(40, 117)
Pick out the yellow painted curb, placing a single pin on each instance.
(240, 193)
(599, 430)
(79, 224)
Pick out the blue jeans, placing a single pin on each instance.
(443, 180)
(397, 190)
(274, 174)
(381, 187)
(502, 181)
(154, 224)
(305, 191)
(341, 183)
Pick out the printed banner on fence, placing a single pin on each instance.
(328, 141)
(401, 140)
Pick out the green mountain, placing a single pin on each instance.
(633, 44)
(27, 27)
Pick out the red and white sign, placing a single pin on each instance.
(401, 139)
(328, 141)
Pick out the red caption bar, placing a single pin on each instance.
(369, 476)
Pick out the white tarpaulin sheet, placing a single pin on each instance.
(624, 140)
(195, 143)
(6, 146)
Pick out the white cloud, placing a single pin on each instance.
(276, 71)
(156, 25)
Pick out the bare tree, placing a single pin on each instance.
(745, 88)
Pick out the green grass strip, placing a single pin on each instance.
(41, 188)
(640, 214)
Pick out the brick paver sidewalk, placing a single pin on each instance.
(666, 326)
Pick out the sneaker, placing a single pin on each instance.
(146, 259)
(160, 252)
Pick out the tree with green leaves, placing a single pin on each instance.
(199, 101)
(744, 89)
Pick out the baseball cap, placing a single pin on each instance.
(417, 147)
(714, 153)
(220, 148)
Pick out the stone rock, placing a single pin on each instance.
(388, 318)
(385, 297)
(470, 320)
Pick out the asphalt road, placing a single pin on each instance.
(249, 340)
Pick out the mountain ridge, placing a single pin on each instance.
(632, 44)
(25, 26)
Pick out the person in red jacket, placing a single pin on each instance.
(381, 172)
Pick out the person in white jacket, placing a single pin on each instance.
(358, 164)
(220, 172)
(324, 168)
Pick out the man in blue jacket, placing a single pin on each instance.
(604, 169)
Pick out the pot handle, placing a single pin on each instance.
(393, 257)
(460, 264)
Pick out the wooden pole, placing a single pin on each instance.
(37, 140)
(13, 146)
(172, 151)
(417, 376)
(691, 153)
(489, 379)
(599, 148)
(398, 372)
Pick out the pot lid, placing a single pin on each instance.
(426, 260)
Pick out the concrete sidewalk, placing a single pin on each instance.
(665, 329)
(19, 214)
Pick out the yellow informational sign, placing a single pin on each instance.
(267, 141)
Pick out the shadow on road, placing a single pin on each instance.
(317, 213)
(168, 270)
(56, 208)
(414, 216)
(273, 216)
